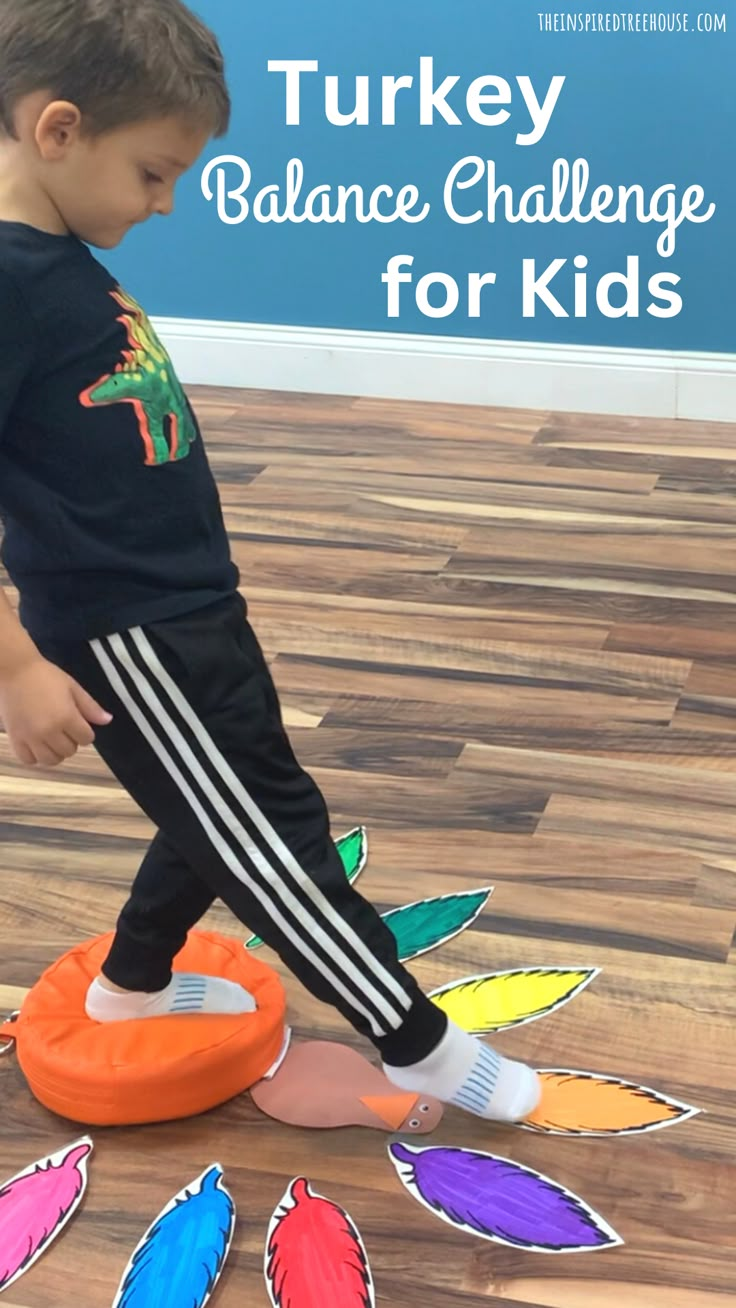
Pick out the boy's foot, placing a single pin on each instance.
(187, 992)
(465, 1072)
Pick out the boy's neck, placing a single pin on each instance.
(21, 202)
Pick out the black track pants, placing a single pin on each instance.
(198, 741)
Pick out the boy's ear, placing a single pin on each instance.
(58, 126)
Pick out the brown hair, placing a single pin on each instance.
(119, 61)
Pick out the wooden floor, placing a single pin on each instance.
(505, 641)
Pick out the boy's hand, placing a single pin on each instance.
(46, 713)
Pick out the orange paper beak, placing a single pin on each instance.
(391, 1109)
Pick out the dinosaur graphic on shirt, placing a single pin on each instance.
(147, 380)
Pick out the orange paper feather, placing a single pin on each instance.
(581, 1103)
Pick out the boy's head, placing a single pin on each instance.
(103, 105)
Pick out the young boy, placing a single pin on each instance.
(134, 635)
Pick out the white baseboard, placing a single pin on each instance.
(453, 370)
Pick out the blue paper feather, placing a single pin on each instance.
(179, 1260)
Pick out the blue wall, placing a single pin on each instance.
(641, 108)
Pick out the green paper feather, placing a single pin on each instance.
(430, 922)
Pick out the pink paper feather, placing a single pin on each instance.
(36, 1204)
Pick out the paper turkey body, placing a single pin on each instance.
(322, 1084)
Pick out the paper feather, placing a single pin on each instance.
(500, 1200)
(428, 923)
(36, 1205)
(582, 1103)
(496, 1001)
(180, 1258)
(314, 1254)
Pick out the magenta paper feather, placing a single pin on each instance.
(36, 1204)
(500, 1200)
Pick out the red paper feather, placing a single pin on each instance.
(314, 1254)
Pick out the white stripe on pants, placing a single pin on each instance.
(354, 985)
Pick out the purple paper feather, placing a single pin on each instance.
(500, 1200)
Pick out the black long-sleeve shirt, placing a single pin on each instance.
(111, 513)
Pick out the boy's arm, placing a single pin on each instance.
(46, 714)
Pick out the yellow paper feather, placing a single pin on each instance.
(499, 1000)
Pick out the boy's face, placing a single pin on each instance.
(102, 187)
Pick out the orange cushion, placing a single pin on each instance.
(148, 1070)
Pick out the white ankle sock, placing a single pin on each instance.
(187, 992)
(465, 1072)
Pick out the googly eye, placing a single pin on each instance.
(424, 1108)
(415, 1123)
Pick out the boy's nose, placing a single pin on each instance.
(164, 206)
